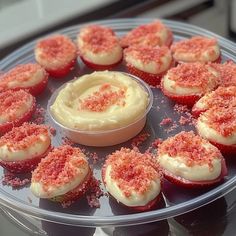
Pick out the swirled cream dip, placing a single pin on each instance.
(100, 101)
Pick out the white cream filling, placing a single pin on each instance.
(33, 79)
(101, 58)
(36, 149)
(135, 199)
(211, 134)
(66, 106)
(18, 113)
(150, 67)
(210, 54)
(177, 167)
(38, 189)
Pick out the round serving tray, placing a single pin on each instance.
(175, 201)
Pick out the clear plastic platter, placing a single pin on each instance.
(176, 200)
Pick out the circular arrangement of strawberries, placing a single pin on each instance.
(189, 72)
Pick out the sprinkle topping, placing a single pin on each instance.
(59, 167)
(196, 45)
(57, 47)
(193, 75)
(98, 39)
(147, 54)
(191, 148)
(222, 119)
(20, 138)
(132, 170)
(102, 99)
(20, 73)
(12, 101)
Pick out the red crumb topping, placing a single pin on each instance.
(179, 108)
(193, 75)
(20, 138)
(190, 147)
(98, 39)
(15, 182)
(196, 45)
(148, 54)
(56, 47)
(222, 119)
(156, 142)
(148, 34)
(21, 74)
(39, 115)
(94, 193)
(102, 99)
(59, 168)
(166, 121)
(132, 170)
(13, 101)
(227, 72)
(140, 139)
(184, 120)
(221, 97)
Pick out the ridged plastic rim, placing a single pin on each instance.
(12, 202)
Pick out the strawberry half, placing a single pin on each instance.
(188, 100)
(23, 166)
(195, 184)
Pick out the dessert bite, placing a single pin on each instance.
(16, 107)
(152, 34)
(56, 54)
(187, 82)
(221, 97)
(64, 175)
(218, 125)
(196, 49)
(30, 77)
(191, 161)
(227, 72)
(23, 147)
(133, 179)
(99, 48)
(104, 108)
(148, 63)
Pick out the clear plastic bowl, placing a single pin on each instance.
(104, 137)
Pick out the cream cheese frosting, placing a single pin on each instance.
(100, 101)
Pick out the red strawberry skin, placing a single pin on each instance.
(61, 72)
(225, 149)
(99, 67)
